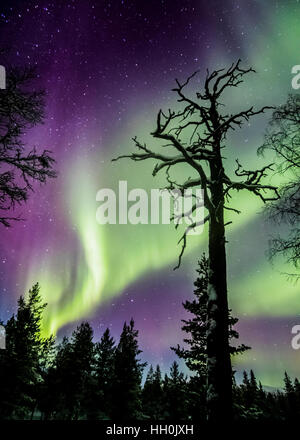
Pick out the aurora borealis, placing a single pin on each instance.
(107, 67)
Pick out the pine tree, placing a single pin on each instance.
(195, 355)
(149, 379)
(196, 398)
(147, 394)
(152, 395)
(296, 386)
(251, 398)
(290, 398)
(253, 382)
(71, 379)
(23, 362)
(47, 357)
(288, 384)
(158, 393)
(104, 365)
(297, 396)
(83, 364)
(127, 376)
(175, 393)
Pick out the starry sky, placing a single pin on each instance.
(107, 67)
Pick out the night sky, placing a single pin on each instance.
(107, 68)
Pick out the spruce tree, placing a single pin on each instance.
(23, 362)
(251, 398)
(104, 373)
(290, 398)
(152, 395)
(83, 365)
(71, 378)
(195, 355)
(175, 393)
(127, 376)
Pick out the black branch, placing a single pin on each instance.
(193, 135)
(20, 110)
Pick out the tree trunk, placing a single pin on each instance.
(219, 376)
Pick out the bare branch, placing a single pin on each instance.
(184, 238)
(6, 221)
(20, 110)
(205, 127)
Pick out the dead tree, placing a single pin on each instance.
(195, 135)
(20, 109)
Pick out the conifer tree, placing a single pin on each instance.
(290, 398)
(175, 393)
(127, 376)
(288, 384)
(83, 365)
(71, 379)
(152, 395)
(104, 372)
(251, 400)
(195, 355)
(22, 363)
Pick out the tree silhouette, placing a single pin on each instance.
(195, 354)
(73, 368)
(175, 394)
(23, 361)
(152, 395)
(283, 138)
(70, 381)
(20, 109)
(291, 408)
(104, 372)
(127, 376)
(196, 135)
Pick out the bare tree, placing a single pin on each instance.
(283, 138)
(20, 109)
(196, 135)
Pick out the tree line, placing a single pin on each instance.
(80, 379)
